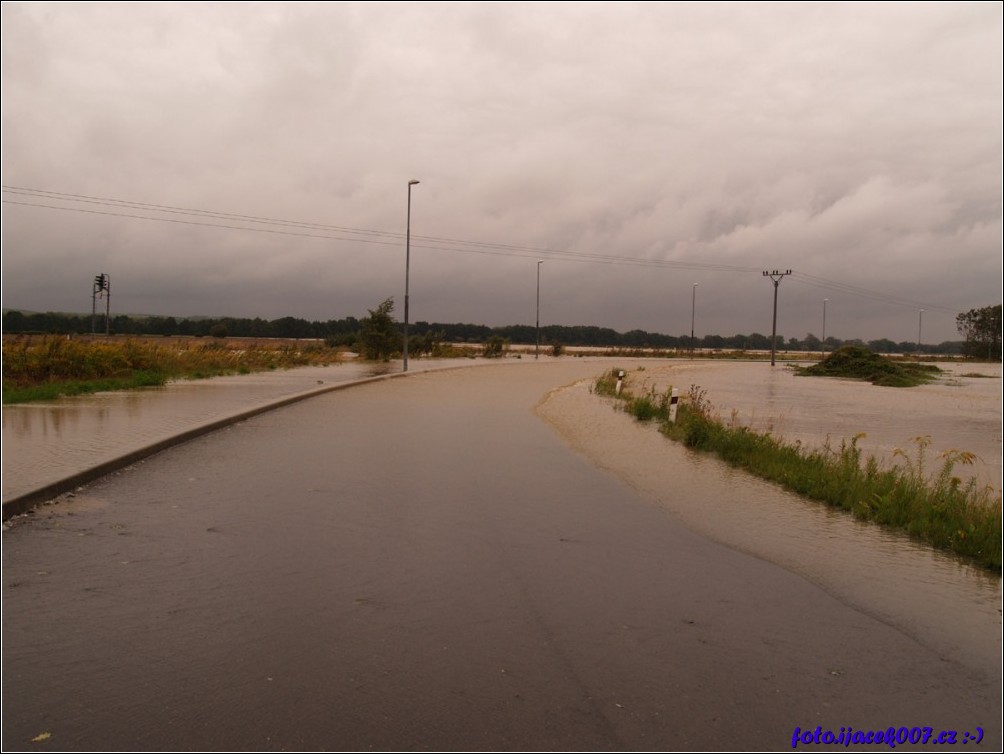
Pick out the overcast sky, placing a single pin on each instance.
(637, 148)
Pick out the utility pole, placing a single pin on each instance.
(98, 285)
(693, 309)
(102, 283)
(536, 353)
(822, 354)
(775, 277)
(407, 272)
(108, 303)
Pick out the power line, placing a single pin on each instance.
(501, 250)
(303, 229)
(376, 236)
(467, 245)
(818, 282)
(193, 222)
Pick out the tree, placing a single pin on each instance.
(812, 343)
(379, 338)
(884, 345)
(982, 330)
(495, 347)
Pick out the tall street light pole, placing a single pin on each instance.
(823, 351)
(407, 272)
(776, 278)
(536, 353)
(693, 309)
(920, 325)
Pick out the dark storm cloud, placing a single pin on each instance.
(858, 144)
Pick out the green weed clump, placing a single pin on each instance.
(855, 362)
(937, 508)
(49, 367)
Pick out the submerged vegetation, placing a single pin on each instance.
(935, 507)
(857, 363)
(42, 368)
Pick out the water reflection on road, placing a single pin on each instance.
(46, 442)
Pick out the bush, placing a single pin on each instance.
(495, 347)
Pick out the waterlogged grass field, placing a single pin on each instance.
(918, 495)
(45, 367)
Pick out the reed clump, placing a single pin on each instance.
(41, 368)
(936, 507)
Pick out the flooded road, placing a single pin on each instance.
(46, 442)
(426, 564)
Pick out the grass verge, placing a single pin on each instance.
(937, 508)
(44, 368)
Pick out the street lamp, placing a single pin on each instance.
(920, 325)
(536, 353)
(693, 309)
(407, 270)
(823, 351)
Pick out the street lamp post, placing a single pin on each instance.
(920, 325)
(407, 272)
(693, 309)
(822, 352)
(536, 353)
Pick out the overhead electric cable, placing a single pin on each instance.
(287, 227)
(851, 290)
(474, 247)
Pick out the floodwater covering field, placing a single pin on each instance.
(957, 411)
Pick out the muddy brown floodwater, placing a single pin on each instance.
(45, 442)
(959, 411)
(476, 559)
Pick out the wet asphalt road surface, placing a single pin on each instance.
(424, 564)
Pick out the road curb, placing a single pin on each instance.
(26, 501)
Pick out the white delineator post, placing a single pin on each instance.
(674, 402)
(620, 381)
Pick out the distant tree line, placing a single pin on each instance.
(347, 332)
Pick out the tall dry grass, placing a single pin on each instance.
(48, 366)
